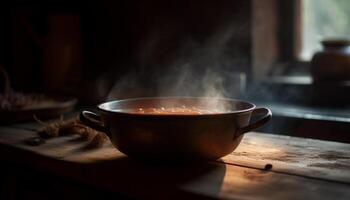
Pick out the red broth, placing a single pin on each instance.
(171, 111)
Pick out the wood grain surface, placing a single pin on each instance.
(301, 168)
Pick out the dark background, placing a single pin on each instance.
(74, 47)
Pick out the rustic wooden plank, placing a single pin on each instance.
(305, 157)
(245, 183)
(211, 180)
(107, 168)
(11, 136)
(69, 148)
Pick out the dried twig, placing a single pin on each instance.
(69, 127)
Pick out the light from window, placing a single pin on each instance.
(323, 19)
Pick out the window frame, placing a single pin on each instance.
(283, 57)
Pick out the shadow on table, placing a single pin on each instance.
(140, 179)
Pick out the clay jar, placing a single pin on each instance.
(333, 62)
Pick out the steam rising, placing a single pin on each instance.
(201, 69)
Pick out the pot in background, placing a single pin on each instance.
(332, 63)
(178, 137)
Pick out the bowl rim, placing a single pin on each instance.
(102, 106)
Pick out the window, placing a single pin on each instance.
(287, 33)
(322, 19)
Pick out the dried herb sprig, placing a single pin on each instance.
(69, 127)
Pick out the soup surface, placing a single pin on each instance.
(172, 111)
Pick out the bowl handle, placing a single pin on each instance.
(93, 120)
(266, 116)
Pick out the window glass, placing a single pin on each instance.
(323, 19)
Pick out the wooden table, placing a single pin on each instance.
(302, 168)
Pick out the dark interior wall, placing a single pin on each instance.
(78, 42)
(169, 25)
